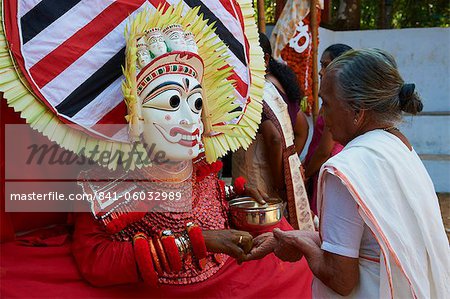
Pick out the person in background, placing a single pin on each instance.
(322, 146)
(271, 163)
(285, 81)
(381, 232)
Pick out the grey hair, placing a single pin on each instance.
(368, 79)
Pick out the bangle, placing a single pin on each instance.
(144, 259)
(161, 254)
(155, 257)
(171, 249)
(229, 193)
(139, 235)
(197, 240)
(183, 244)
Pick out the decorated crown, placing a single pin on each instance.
(189, 36)
(175, 63)
(153, 31)
(190, 42)
(184, 63)
(231, 103)
(209, 66)
(171, 28)
(141, 43)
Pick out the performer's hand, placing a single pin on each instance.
(259, 196)
(263, 245)
(231, 242)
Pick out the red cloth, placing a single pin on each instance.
(52, 272)
(45, 267)
(23, 221)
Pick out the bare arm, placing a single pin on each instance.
(300, 132)
(339, 273)
(274, 150)
(321, 154)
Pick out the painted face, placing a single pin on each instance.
(156, 45)
(171, 109)
(143, 57)
(338, 115)
(175, 40)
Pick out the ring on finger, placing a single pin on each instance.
(240, 240)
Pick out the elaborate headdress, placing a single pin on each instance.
(219, 108)
(152, 32)
(174, 62)
(172, 28)
(232, 98)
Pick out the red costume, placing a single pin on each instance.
(180, 99)
(108, 261)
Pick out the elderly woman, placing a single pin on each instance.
(381, 233)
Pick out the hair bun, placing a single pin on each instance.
(409, 101)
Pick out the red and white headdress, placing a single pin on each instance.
(232, 75)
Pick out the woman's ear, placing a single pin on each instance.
(360, 115)
(266, 59)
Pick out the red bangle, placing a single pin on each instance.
(120, 222)
(161, 254)
(197, 240)
(144, 259)
(239, 185)
(171, 249)
(155, 257)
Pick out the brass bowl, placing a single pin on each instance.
(248, 215)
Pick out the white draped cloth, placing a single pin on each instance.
(397, 200)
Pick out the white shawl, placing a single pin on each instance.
(397, 200)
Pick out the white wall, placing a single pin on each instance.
(422, 55)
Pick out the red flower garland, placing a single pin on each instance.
(144, 259)
(197, 241)
(239, 185)
(206, 169)
(302, 64)
(171, 249)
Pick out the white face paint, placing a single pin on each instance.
(171, 109)
(143, 57)
(156, 45)
(175, 40)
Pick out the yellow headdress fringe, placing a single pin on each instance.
(243, 134)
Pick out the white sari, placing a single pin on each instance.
(397, 200)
